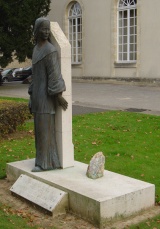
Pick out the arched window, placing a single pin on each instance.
(127, 30)
(75, 32)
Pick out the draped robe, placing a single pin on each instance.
(47, 82)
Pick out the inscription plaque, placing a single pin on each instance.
(51, 199)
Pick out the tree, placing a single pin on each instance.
(17, 19)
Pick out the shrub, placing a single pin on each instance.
(12, 114)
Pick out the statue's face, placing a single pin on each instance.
(44, 31)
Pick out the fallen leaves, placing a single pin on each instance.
(148, 224)
(126, 130)
(94, 143)
(20, 213)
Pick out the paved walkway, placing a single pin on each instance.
(144, 99)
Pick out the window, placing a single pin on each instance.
(75, 32)
(127, 31)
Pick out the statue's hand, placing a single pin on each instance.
(62, 102)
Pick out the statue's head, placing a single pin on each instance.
(42, 29)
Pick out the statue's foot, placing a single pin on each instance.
(37, 169)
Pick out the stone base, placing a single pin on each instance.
(99, 201)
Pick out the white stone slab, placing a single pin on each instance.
(100, 200)
(47, 197)
(63, 119)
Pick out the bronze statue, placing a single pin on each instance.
(45, 92)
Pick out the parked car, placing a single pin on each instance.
(16, 74)
(1, 81)
(28, 80)
(23, 73)
(7, 74)
(16, 70)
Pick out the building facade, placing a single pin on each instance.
(111, 38)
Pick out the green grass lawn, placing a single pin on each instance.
(129, 141)
(13, 220)
(153, 223)
(13, 99)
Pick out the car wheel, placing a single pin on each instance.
(5, 79)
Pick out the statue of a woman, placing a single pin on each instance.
(45, 91)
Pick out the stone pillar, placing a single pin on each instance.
(63, 119)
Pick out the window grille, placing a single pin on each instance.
(75, 32)
(127, 31)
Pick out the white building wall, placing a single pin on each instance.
(149, 47)
(100, 38)
(96, 35)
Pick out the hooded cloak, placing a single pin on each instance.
(47, 82)
(37, 25)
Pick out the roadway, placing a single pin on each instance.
(92, 97)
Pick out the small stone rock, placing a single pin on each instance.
(96, 166)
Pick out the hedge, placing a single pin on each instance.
(12, 114)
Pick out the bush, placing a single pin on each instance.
(12, 114)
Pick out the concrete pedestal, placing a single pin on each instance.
(98, 201)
